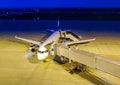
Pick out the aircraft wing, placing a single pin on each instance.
(79, 42)
(27, 40)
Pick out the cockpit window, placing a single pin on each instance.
(43, 51)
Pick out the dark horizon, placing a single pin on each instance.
(64, 14)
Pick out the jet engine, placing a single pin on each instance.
(32, 50)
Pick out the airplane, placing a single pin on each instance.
(46, 48)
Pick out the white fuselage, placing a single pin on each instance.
(42, 51)
(51, 39)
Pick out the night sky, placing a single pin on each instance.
(30, 25)
(59, 3)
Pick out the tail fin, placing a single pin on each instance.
(58, 24)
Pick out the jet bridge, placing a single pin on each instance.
(89, 59)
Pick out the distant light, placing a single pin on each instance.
(37, 10)
(7, 13)
(20, 13)
(38, 18)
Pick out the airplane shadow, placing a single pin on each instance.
(33, 60)
(88, 76)
(94, 79)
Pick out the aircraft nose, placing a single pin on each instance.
(42, 56)
(42, 53)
